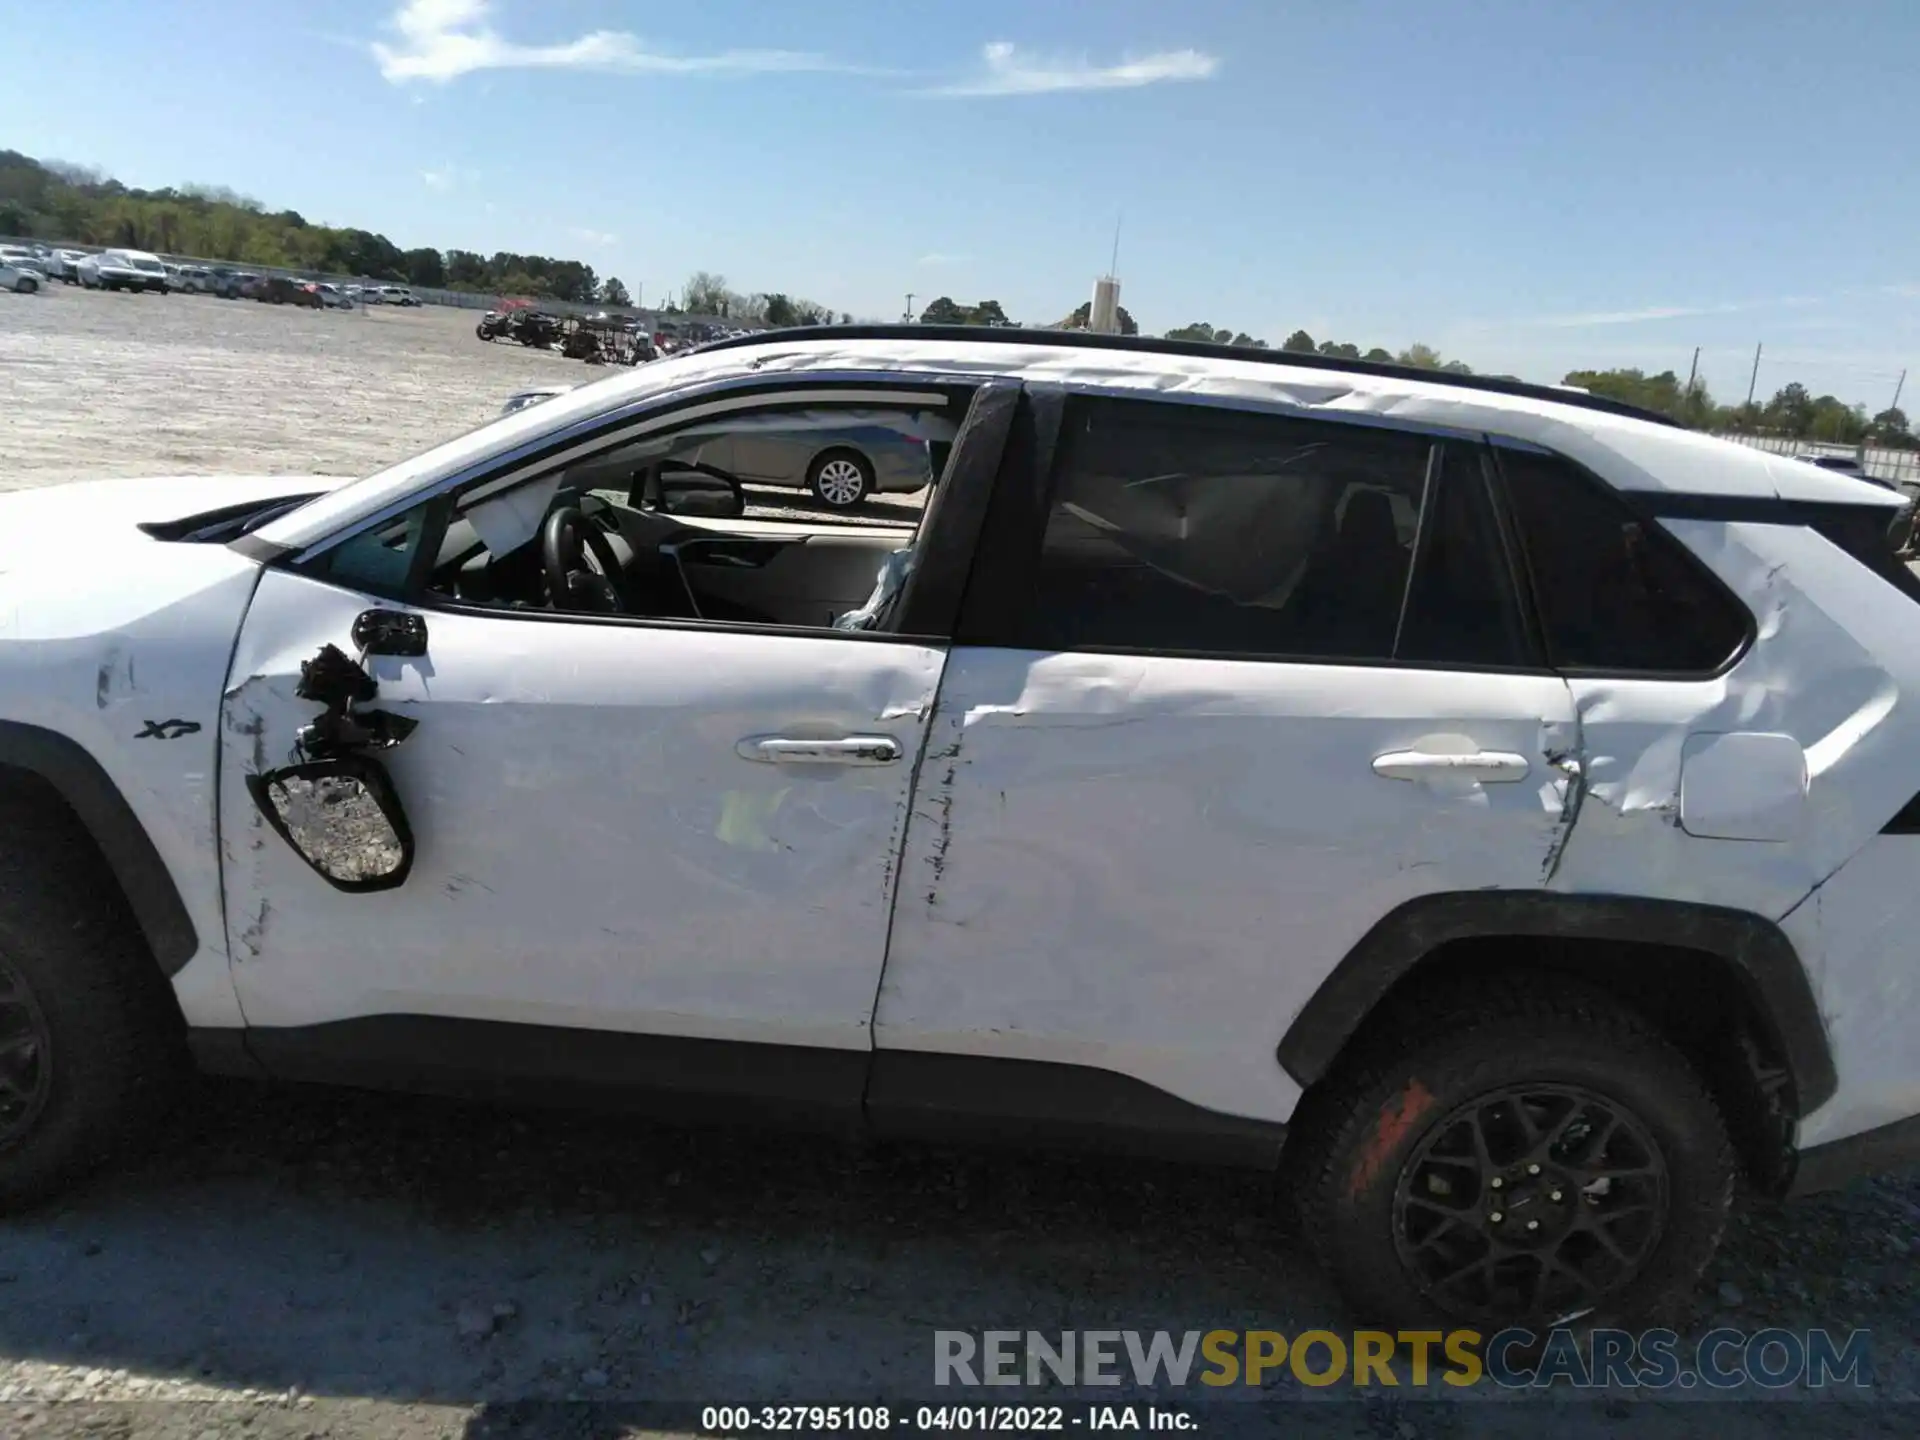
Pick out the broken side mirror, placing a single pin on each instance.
(342, 816)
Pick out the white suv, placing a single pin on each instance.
(1493, 807)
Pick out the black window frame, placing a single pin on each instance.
(1637, 504)
(1004, 582)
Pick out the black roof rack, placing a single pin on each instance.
(1146, 344)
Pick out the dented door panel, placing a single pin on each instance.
(1147, 864)
(592, 848)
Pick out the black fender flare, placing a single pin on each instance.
(1757, 950)
(124, 844)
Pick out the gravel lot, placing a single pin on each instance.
(289, 1262)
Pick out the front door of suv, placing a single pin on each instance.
(1232, 688)
(653, 854)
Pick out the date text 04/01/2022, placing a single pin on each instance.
(819, 1419)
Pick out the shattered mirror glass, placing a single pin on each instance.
(340, 823)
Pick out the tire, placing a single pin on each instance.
(104, 1037)
(840, 479)
(1375, 1175)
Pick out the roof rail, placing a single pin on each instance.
(1147, 344)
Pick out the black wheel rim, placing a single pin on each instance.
(26, 1057)
(1534, 1203)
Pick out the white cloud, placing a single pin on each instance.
(445, 178)
(941, 257)
(1644, 315)
(600, 238)
(441, 40)
(1007, 70)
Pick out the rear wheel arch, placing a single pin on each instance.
(69, 776)
(1725, 985)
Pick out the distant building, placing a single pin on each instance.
(1104, 316)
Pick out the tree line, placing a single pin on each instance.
(1793, 411)
(52, 201)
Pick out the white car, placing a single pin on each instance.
(123, 270)
(1493, 806)
(20, 278)
(28, 268)
(332, 297)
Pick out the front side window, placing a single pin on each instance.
(770, 515)
(1615, 592)
(1181, 528)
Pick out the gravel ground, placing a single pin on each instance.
(290, 1262)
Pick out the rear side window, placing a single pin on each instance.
(1180, 528)
(1615, 592)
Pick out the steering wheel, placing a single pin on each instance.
(566, 540)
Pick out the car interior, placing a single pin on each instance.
(648, 530)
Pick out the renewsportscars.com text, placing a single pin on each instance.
(1722, 1359)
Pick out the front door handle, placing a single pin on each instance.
(852, 750)
(1493, 767)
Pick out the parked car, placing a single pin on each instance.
(27, 268)
(63, 266)
(123, 270)
(194, 279)
(841, 464)
(397, 295)
(235, 284)
(1451, 798)
(332, 297)
(282, 290)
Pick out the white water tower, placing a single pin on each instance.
(1103, 317)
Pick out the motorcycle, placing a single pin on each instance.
(492, 325)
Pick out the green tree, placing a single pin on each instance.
(1379, 356)
(704, 293)
(780, 312)
(1890, 427)
(943, 311)
(1421, 357)
(1790, 411)
(425, 268)
(1299, 342)
(612, 292)
(1340, 352)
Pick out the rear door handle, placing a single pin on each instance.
(852, 750)
(1494, 767)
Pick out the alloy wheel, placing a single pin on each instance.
(840, 482)
(1533, 1202)
(26, 1057)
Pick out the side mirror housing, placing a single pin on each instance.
(681, 488)
(342, 816)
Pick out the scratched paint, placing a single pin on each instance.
(1149, 864)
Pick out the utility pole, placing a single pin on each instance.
(1693, 369)
(1753, 379)
(910, 307)
(1897, 389)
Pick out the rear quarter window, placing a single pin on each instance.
(1615, 592)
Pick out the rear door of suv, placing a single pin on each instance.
(1231, 685)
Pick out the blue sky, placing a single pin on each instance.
(1527, 185)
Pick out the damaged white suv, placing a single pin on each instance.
(1491, 806)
